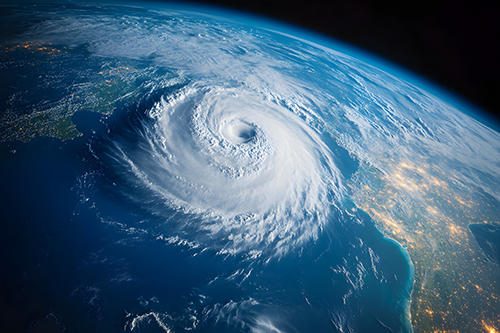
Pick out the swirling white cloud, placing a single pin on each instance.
(252, 172)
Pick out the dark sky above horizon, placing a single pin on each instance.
(455, 43)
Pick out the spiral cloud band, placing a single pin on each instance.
(251, 171)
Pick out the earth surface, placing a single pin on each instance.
(169, 169)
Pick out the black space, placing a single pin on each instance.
(455, 43)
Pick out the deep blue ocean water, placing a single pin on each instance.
(488, 238)
(78, 256)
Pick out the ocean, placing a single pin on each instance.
(80, 253)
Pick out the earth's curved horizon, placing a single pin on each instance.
(169, 168)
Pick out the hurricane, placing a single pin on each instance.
(248, 172)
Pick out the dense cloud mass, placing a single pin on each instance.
(253, 172)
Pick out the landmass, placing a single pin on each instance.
(428, 211)
(45, 85)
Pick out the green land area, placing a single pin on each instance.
(45, 85)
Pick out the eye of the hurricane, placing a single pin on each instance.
(238, 131)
